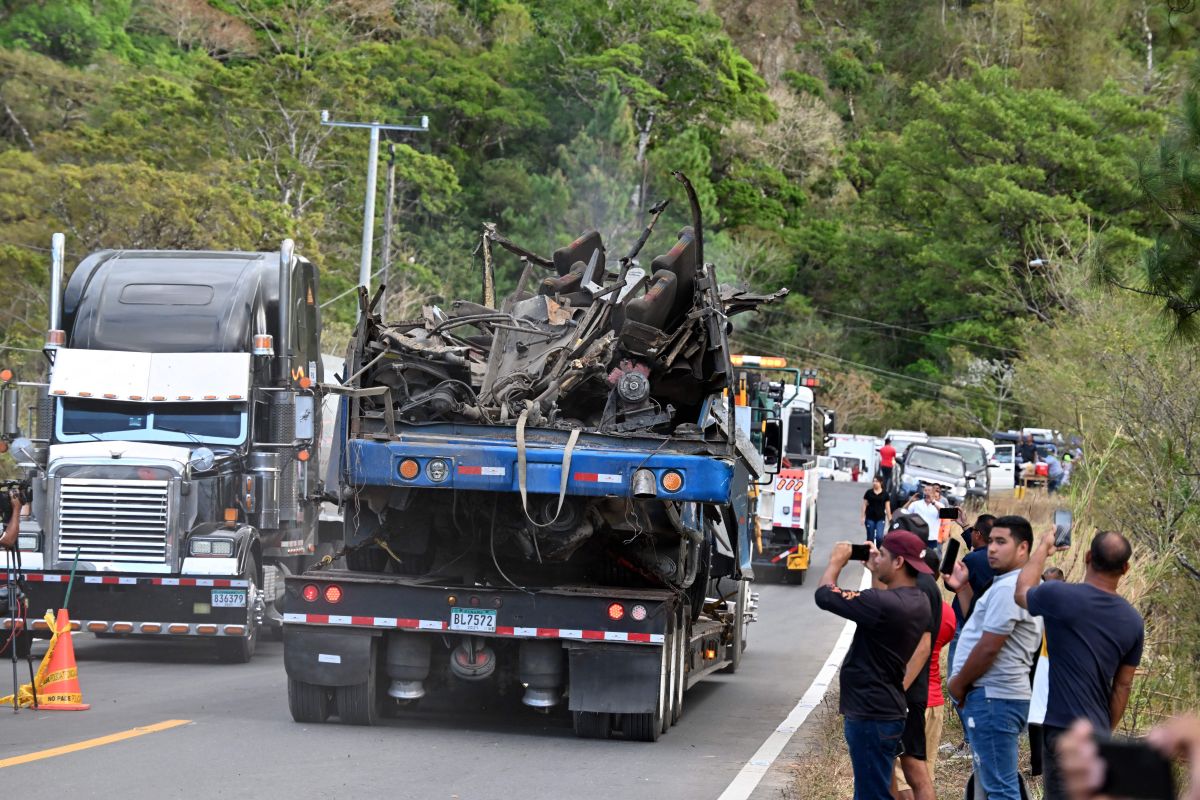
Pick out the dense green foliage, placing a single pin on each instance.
(916, 173)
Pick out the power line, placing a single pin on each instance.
(867, 367)
(916, 331)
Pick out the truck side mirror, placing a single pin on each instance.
(24, 452)
(10, 410)
(772, 444)
(202, 459)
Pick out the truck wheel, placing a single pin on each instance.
(240, 649)
(308, 702)
(359, 704)
(591, 724)
(683, 629)
(648, 727)
(800, 573)
(741, 623)
(672, 662)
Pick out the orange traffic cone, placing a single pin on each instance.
(59, 690)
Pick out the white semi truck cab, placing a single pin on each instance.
(174, 454)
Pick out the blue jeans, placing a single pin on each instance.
(875, 530)
(873, 745)
(993, 729)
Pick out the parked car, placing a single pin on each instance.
(1002, 470)
(976, 459)
(901, 440)
(927, 464)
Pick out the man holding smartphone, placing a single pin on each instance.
(1094, 641)
(891, 621)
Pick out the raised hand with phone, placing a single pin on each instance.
(1094, 639)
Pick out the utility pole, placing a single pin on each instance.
(388, 205)
(368, 236)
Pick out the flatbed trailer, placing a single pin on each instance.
(630, 653)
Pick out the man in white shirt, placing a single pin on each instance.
(926, 507)
(990, 675)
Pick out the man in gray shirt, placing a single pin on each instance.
(990, 674)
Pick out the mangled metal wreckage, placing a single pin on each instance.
(554, 418)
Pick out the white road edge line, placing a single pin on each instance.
(747, 780)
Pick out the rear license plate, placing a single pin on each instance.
(473, 619)
(229, 598)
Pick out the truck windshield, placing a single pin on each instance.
(935, 462)
(973, 455)
(88, 420)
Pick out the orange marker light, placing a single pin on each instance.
(672, 481)
(302, 455)
(6, 375)
(409, 469)
(231, 515)
(305, 382)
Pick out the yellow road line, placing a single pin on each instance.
(90, 743)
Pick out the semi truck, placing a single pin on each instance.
(171, 450)
(546, 495)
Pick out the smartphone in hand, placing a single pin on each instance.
(1062, 527)
(1135, 770)
(949, 512)
(950, 556)
(860, 552)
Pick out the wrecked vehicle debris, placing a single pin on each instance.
(548, 492)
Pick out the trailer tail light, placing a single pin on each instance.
(310, 593)
(151, 627)
(178, 628)
(122, 627)
(638, 613)
(616, 611)
(333, 593)
(672, 481)
(97, 627)
(409, 469)
(207, 630)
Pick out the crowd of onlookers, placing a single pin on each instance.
(1028, 653)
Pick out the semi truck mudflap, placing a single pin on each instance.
(152, 605)
(612, 678)
(327, 656)
(494, 467)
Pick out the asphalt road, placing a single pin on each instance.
(240, 739)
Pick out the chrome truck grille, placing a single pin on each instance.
(124, 521)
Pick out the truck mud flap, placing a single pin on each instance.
(326, 657)
(619, 679)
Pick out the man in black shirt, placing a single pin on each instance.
(891, 622)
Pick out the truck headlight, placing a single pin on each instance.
(29, 542)
(218, 548)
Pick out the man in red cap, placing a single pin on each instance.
(891, 622)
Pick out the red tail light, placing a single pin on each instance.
(333, 593)
(310, 593)
(616, 611)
